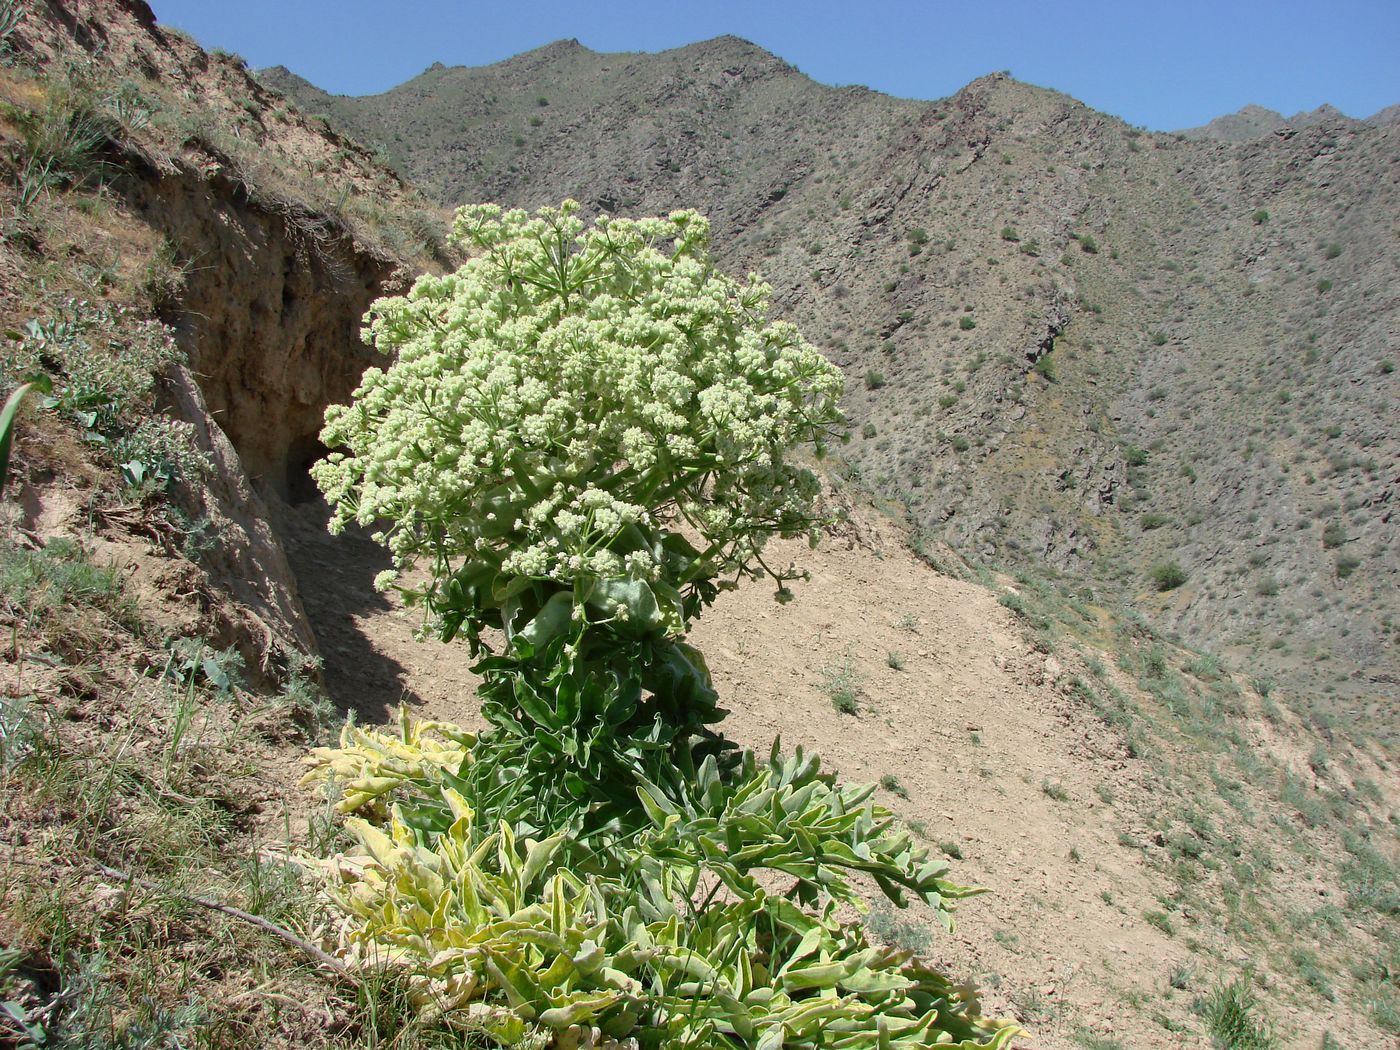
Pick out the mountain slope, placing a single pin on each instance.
(1147, 824)
(1070, 344)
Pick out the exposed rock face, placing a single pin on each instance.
(247, 556)
(273, 287)
(269, 317)
(1253, 122)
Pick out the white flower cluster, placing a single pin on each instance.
(568, 392)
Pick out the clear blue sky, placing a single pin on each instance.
(1159, 64)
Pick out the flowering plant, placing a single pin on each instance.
(564, 409)
(585, 429)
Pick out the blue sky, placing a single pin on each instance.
(1158, 64)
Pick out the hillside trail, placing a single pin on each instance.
(958, 719)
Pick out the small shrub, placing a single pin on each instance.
(1159, 338)
(1088, 245)
(1084, 1037)
(1324, 286)
(966, 323)
(1148, 522)
(867, 430)
(842, 685)
(1345, 565)
(887, 927)
(1260, 217)
(1054, 790)
(874, 380)
(891, 783)
(1168, 576)
(1009, 234)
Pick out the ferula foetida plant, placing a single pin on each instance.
(585, 431)
(558, 406)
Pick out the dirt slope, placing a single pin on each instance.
(976, 737)
(1146, 824)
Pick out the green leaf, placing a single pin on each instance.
(7, 422)
(635, 596)
(551, 622)
(537, 858)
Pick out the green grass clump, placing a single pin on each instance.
(1160, 920)
(841, 683)
(1231, 1016)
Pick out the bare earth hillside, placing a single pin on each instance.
(1152, 824)
(1111, 910)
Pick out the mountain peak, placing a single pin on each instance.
(1385, 117)
(1326, 111)
(1251, 121)
(1254, 121)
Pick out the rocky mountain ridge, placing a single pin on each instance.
(1252, 122)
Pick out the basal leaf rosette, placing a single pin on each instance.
(673, 936)
(587, 413)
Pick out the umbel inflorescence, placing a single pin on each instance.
(564, 400)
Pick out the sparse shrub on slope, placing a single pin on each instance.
(1168, 576)
(591, 867)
